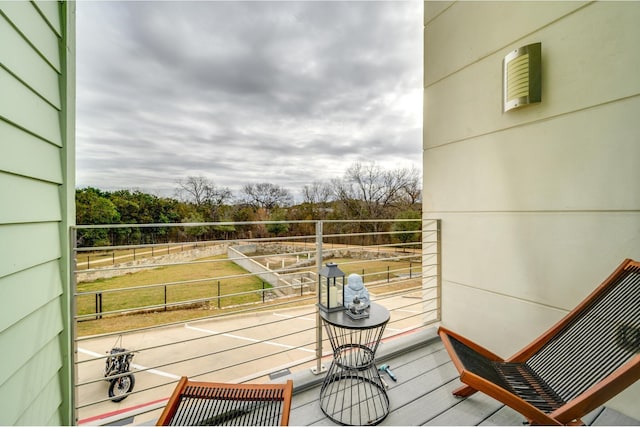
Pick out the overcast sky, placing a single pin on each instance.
(245, 92)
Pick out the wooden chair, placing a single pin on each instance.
(205, 403)
(580, 363)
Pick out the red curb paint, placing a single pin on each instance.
(120, 411)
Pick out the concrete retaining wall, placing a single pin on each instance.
(283, 284)
(150, 263)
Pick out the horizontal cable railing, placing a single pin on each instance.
(237, 305)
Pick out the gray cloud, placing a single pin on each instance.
(280, 92)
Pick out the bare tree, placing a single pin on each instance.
(368, 192)
(203, 193)
(266, 195)
(192, 189)
(315, 201)
(412, 190)
(317, 193)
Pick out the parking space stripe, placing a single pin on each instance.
(286, 316)
(133, 365)
(209, 331)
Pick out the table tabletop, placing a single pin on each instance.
(378, 315)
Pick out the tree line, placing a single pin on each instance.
(365, 192)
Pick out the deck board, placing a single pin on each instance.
(423, 396)
(504, 416)
(609, 417)
(471, 412)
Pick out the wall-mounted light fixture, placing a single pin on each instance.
(522, 77)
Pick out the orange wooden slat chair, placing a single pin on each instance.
(581, 362)
(206, 403)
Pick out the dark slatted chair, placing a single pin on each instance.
(580, 363)
(205, 403)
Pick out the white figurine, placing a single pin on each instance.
(355, 288)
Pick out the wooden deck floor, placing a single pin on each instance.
(422, 396)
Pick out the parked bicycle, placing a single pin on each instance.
(117, 365)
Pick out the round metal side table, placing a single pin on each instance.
(352, 392)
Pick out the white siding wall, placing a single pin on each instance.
(538, 205)
(36, 208)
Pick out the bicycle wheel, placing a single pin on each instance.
(120, 387)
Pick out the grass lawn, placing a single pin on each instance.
(132, 292)
(373, 271)
(128, 292)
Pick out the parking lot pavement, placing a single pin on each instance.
(225, 349)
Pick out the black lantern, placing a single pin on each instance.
(330, 288)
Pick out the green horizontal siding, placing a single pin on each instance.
(37, 201)
(19, 58)
(28, 245)
(42, 370)
(20, 105)
(28, 290)
(56, 420)
(17, 145)
(28, 20)
(47, 402)
(37, 90)
(50, 11)
(26, 338)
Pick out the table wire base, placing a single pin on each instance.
(353, 397)
(352, 392)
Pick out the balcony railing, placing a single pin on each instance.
(236, 304)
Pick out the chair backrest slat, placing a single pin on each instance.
(597, 342)
(201, 403)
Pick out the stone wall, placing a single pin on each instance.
(241, 255)
(150, 262)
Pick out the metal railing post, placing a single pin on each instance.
(318, 369)
(99, 305)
